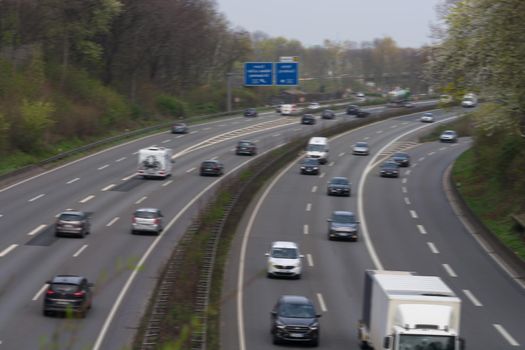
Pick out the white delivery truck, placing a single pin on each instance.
(318, 148)
(404, 311)
(155, 162)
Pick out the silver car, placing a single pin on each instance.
(147, 220)
(448, 136)
(360, 148)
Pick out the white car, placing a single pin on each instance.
(284, 260)
(448, 136)
(314, 105)
(289, 109)
(427, 117)
(360, 148)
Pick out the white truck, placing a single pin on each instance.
(155, 162)
(404, 311)
(318, 148)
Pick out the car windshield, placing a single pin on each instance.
(284, 253)
(146, 214)
(390, 165)
(361, 144)
(343, 218)
(245, 144)
(297, 310)
(316, 148)
(310, 161)
(339, 181)
(209, 164)
(448, 133)
(71, 217)
(401, 155)
(64, 287)
(180, 124)
(426, 342)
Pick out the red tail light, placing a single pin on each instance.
(133, 220)
(50, 292)
(157, 221)
(79, 294)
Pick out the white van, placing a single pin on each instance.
(155, 162)
(469, 100)
(289, 109)
(318, 148)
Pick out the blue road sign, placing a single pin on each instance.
(286, 73)
(258, 73)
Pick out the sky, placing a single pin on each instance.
(313, 21)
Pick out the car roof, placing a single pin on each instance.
(339, 178)
(296, 299)
(449, 131)
(152, 210)
(73, 212)
(400, 154)
(308, 115)
(284, 244)
(68, 279)
(211, 161)
(241, 141)
(342, 212)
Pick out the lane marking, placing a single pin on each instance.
(331, 164)
(366, 138)
(40, 291)
(413, 214)
(71, 181)
(115, 219)
(393, 126)
(404, 189)
(120, 159)
(166, 141)
(36, 230)
(433, 248)
(442, 148)
(7, 250)
(141, 200)
(206, 129)
(506, 335)
(108, 187)
(305, 229)
(78, 252)
(314, 189)
(322, 175)
(190, 170)
(276, 135)
(421, 159)
(37, 197)
(103, 167)
(193, 132)
(88, 198)
(310, 260)
(166, 183)
(129, 177)
(379, 131)
(407, 201)
(322, 305)
(341, 154)
(179, 136)
(309, 207)
(449, 270)
(408, 172)
(404, 180)
(431, 153)
(421, 229)
(472, 298)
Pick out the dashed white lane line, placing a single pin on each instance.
(379, 131)
(305, 229)
(322, 175)
(322, 305)
(431, 153)
(40, 291)
(37, 197)
(222, 124)
(472, 298)
(449, 270)
(115, 219)
(297, 129)
(404, 189)
(128, 177)
(166, 183)
(78, 252)
(366, 138)
(421, 159)
(88, 198)
(108, 187)
(194, 132)
(310, 260)
(442, 148)
(206, 129)
(407, 200)
(166, 141)
(506, 335)
(141, 200)
(421, 229)
(393, 126)
(314, 188)
(179, 136)
(413, 214)
(73, 180)
(7, 250)
(404, 180)
(36, 230)
(433, 248)
(190, 170)
(276, 135)
(408, 172)
(103, 167)
(309, 207)
(331, 164)
(120, 159)
(341, 154)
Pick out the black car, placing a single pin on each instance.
(342, 225)
(401, 158)
(211, 167)
(250, 112)
(339, 186)
(355, 110)
(68, 294)
(389, 169)
(310, 166)
(328, 114)
(308, 119)
(294, 319)
(179, 128)
(74, 223)
(246, 147)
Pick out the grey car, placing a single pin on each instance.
(211, 167)
(147, 220)
(310, 166)
(179, 128)
(448, 136)
(401, 158)
(342, 225)
(72, 223)
(338, 186)
(361, 148)
(389, 168)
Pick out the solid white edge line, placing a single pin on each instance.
(115, 219)
(322, 305)
(310, 260)
(37, 229)
(506, 335)
(449, 270)
(472, 298)
(433, 248)
(78, 252)
(7, 250)
(39, 293)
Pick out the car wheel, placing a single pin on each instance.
(46, 313)
(298, 276)
(82, 234)
(269, 275)
(276, 340)
(57, 234)
(330, 238)
(314, 343)
(133, 232)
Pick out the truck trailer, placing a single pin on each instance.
(404, 311)
(155, 162)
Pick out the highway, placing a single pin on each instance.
(407, 223)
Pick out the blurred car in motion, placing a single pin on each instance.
(314, 105)
(448, 136)
(68, 294)
(342, 225)
(401, 158)
(427, 117)
(352, 110)
(389, 169)
(294, 319)
(250, 112)
(328, 114)
(310, 166)
(147, 220)
(339, 186)
(360, 148)
(179, 128)
(308, 119)
(72, 223)
(246, 147)
(211, 167)
(284, 260)
(289, 109)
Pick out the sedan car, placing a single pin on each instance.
(211, 167)
(352, 110)
(339, 186)
(314, 105)
(294, 319)
(72, 223)
(308, 119)
(69, 294)
(427, 117)
(342, 225)
(284, 260)
(328, 114)
(360, 148)
(401, 158)
(250, 112)
(389, 169)
(147, 220)
(448, 136)
(179, 128)
(310, 166)
(246, 147)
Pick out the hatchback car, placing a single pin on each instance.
(179, 128)
(246, 147)
(147, 220)
(284, 260)
(342, 225)
(448, 136)
(294, 319)
(211, 167)
(427, 117)
(389, 169)
(401, 158)
(328, 114)
(72, 223)
(68, 294)
(250, 112)
(308, 119)
(310, 166)
(360, 148)
(339, 186)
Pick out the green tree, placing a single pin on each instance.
(36, 119)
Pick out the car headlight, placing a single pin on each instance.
(314, 326)
(316, 168)
(302, 167)
(279, 324)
